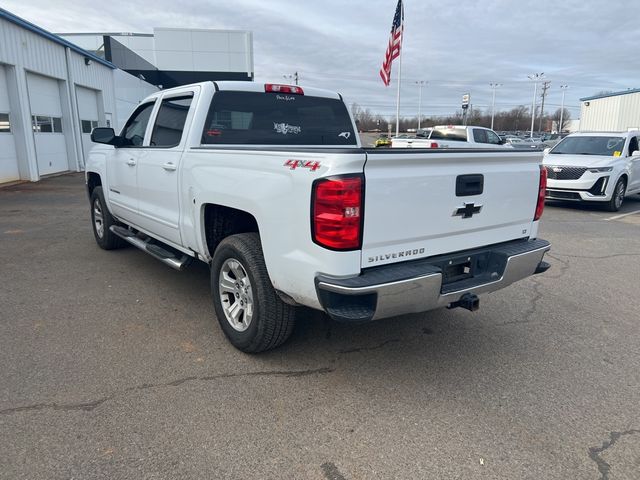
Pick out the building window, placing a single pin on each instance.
(88, 125)
(57, 124)
(42, 124)
(5, 124)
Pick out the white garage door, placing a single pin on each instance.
(46, 117)
(8, 158)
(88, 112)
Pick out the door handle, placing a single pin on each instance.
(131, 162)
(169, 166)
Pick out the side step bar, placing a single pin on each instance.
(165, 256)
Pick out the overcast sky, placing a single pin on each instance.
(457, 47)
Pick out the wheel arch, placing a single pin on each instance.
(93, 180)
(221, 221)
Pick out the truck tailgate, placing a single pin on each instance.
(424, 203)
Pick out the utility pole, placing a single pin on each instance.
(564, 90)
(545, 87)
(293, 77)
(420, 84)
(535, 78)
(493, 100)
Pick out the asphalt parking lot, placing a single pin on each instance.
(113, 366)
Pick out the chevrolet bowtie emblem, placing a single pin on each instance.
(557, 169)
(468, 211)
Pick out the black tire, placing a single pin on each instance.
(105, 238)
(617, 198)
(271, 321)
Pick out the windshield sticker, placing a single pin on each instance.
(617, 153)
(286, 98)
(345, 135)
(613, 143)
(285, 128)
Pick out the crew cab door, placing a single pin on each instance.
(159, 171)
(122, 166)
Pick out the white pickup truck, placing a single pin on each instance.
(270, 186)
(453, 136)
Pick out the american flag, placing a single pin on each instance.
(395, 43)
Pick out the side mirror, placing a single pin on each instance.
(636, 153)
(501, 142)
(104, 135)
(546, 150)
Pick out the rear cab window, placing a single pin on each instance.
(449, 134)
(257, 118)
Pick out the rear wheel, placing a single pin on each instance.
(617, 199)
(250, 312)
(101, 221)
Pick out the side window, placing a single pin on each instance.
(479, 135)
(492, 138)
(133, 131)
(167, 132)
(633, 145)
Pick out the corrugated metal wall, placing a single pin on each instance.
(33, 52)
(616, 113)
(630, 111)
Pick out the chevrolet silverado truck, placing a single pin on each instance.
(270, 186)
(601, 167)
(453, 136)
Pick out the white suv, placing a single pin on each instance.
(594, 167)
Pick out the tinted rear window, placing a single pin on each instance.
(449, 134)
(254, 118)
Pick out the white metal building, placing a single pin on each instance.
(612, 112)
(175, 56)
(52, 93)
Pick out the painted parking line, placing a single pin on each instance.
(623, 215)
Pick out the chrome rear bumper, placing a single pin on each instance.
(422, 285)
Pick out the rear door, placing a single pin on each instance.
(158, 172)
(425, 203)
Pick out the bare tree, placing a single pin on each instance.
(566, 119)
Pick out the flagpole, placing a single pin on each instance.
(399, 76)
(398, 94)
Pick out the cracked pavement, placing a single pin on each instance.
(113, 367)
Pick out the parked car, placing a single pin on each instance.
(266, 184)
(594, 167)
(382, 141)
(521, 144)
(552, 140)
(454, 136)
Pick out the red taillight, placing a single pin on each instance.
(542, 192)
(336, 212)
(275, 88)
(434, 144)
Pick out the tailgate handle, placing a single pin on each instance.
(467, 185)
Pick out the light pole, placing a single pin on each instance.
(293, 77)
(420, 83)
(535, 77)
(493, 100)
(564, 90)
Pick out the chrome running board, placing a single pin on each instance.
(165, 255)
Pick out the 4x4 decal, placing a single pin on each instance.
(311, 165)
